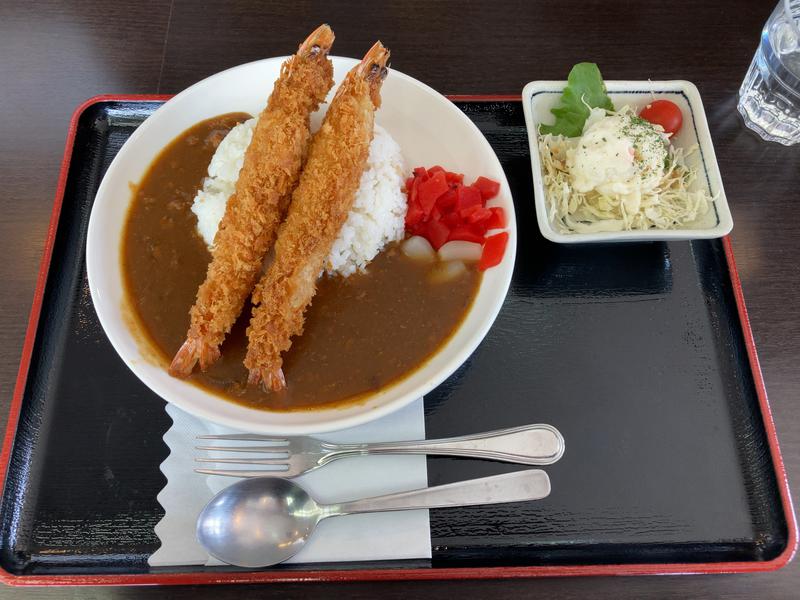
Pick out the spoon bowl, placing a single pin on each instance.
(258, 522)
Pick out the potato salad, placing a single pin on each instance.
(614, 170)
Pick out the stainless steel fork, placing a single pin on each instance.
(290, 457)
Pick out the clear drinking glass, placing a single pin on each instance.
(769, 99)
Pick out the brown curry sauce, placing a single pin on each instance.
(362, 333)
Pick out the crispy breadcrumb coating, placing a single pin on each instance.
(270, 172)
(320, 204)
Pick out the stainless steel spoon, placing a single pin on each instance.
(264, 521)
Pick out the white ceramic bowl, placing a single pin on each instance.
(430, 130)
(538, 97)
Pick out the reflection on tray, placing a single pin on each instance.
(596, 270)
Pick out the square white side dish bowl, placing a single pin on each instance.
(538, 97)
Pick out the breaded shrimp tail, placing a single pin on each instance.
(320, 204)
(253, 213)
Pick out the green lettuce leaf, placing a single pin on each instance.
(584, 86)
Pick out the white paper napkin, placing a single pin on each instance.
(377, 536)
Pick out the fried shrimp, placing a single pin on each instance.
(268, 176)
(320, 204)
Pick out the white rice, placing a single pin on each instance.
(376, 219)
(379, 211)
(223, 171)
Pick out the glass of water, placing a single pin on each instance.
(769, 99)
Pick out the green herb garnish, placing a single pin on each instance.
(585, 89)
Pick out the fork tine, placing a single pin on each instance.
(240, 473)
(243, 437)
(263, 449)
(246, 461)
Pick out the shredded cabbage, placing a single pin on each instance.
(668, 205)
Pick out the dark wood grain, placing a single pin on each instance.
(55, 54)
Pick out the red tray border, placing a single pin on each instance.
(195, 578)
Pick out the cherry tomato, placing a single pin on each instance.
(664, 113)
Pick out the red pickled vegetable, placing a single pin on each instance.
(430, 189)
(468, 196)
(466, 234)
(464, 213)
(478, 215)
(480, 227)
(414, 215)
(493, 249)
(451, 219)
(412, 192)
(442, 209)
(454, 177)
(498, 218)
(437, 233)
(447, 200)
(417, 228)
(488, 187)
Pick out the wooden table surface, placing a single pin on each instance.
(55, 54)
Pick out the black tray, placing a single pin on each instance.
(640, 354)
